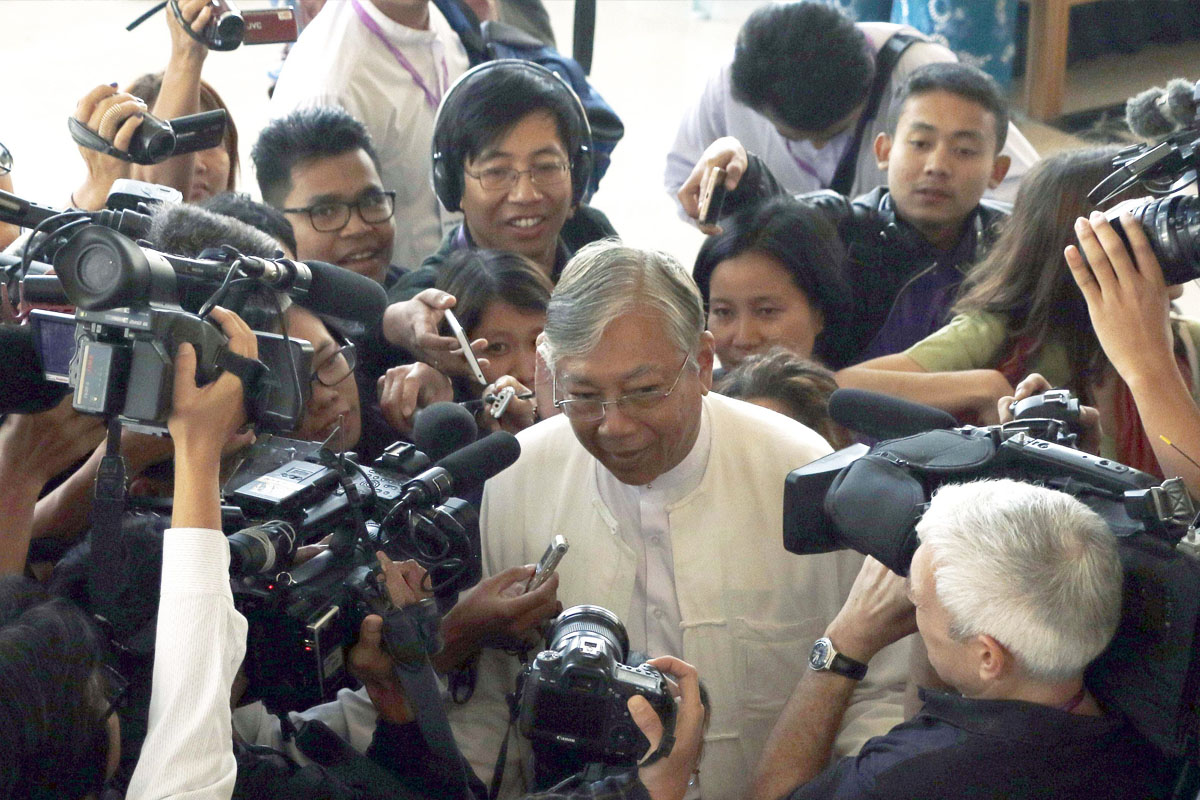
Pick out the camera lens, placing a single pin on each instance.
(98, 268)
(1172, 225)
(589, 620)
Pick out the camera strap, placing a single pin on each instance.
(86, 137)
(409, 636)
(254, 377)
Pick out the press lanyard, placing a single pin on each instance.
(433, 100)
(804, 165)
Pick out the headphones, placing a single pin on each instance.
(448, 163)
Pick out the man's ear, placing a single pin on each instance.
(999, 170)
(883, 150)
(705, 356)
(994, 660)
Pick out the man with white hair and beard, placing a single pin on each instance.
(1016, 589)
(671, 498)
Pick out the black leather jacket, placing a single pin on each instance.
(903, 286)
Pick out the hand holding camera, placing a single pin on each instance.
(114, 117)
(668, 778)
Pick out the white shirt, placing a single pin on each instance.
(337, 61)
(655, 623)
(200, 641)
(644, 524)
(798, 166)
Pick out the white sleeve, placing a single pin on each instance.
(199, 645)
(702, 124)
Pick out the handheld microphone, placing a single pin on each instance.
(463, 470)
(443, 428)
(881, 416)
(1157, 112)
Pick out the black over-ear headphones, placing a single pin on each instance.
(448, 162)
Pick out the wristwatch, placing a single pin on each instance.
(825, 658)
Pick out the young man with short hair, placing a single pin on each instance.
(797, 93)
(319, 167)
(909, 243)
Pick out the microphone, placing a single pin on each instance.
(1157, 112)
(187, 230)
(463, 470)
(442, 428)
(881, 416)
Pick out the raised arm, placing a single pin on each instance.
(1129, 306)
(967, 393)
(200, 637)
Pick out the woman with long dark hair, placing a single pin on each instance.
(1020, 312)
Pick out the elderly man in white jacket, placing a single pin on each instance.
(671, 499)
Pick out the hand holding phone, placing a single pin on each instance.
(712, 196)
(548, 562)
(465, 343)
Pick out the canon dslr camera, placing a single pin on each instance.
(574, 693)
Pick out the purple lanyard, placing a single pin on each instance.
(433, 100)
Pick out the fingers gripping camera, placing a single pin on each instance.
(575, 692)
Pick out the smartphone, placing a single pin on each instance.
(712, 196)
(465, 343)
(548, 563)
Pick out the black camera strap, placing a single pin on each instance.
(409, 636)
(885, 62)
(86, 137)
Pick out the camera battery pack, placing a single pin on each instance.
(291, 486)
(102, 368)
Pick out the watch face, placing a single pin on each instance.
(819, 657)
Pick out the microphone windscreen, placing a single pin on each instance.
(187, 230)
(341, 293)
(475, 463)
(1144, 116)
(442, 428)
(881, 416)
(1180, 102)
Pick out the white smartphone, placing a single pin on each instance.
(548, 562)
(465, 343)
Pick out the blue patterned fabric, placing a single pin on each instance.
(981, 32)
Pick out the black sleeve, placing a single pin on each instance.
(837, 782)
(756, 185)
(413, 282)
(403, 751)
(619, 787)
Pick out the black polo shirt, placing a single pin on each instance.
(1003, 749)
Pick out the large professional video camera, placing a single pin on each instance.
(870, 499)
(302, 620)
(1171, 220)
(133, 306)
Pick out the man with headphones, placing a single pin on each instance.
(512, 150)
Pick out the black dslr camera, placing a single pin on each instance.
(574, 692)
(870, 500)
(1171, 220)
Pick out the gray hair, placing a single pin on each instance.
(607, 279)
(1033, 568)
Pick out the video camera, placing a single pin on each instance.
(134, 305)
(302, 620)
(870, 499)
(1163, 168)
(229, 28)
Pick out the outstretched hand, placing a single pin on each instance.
(413, 325)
